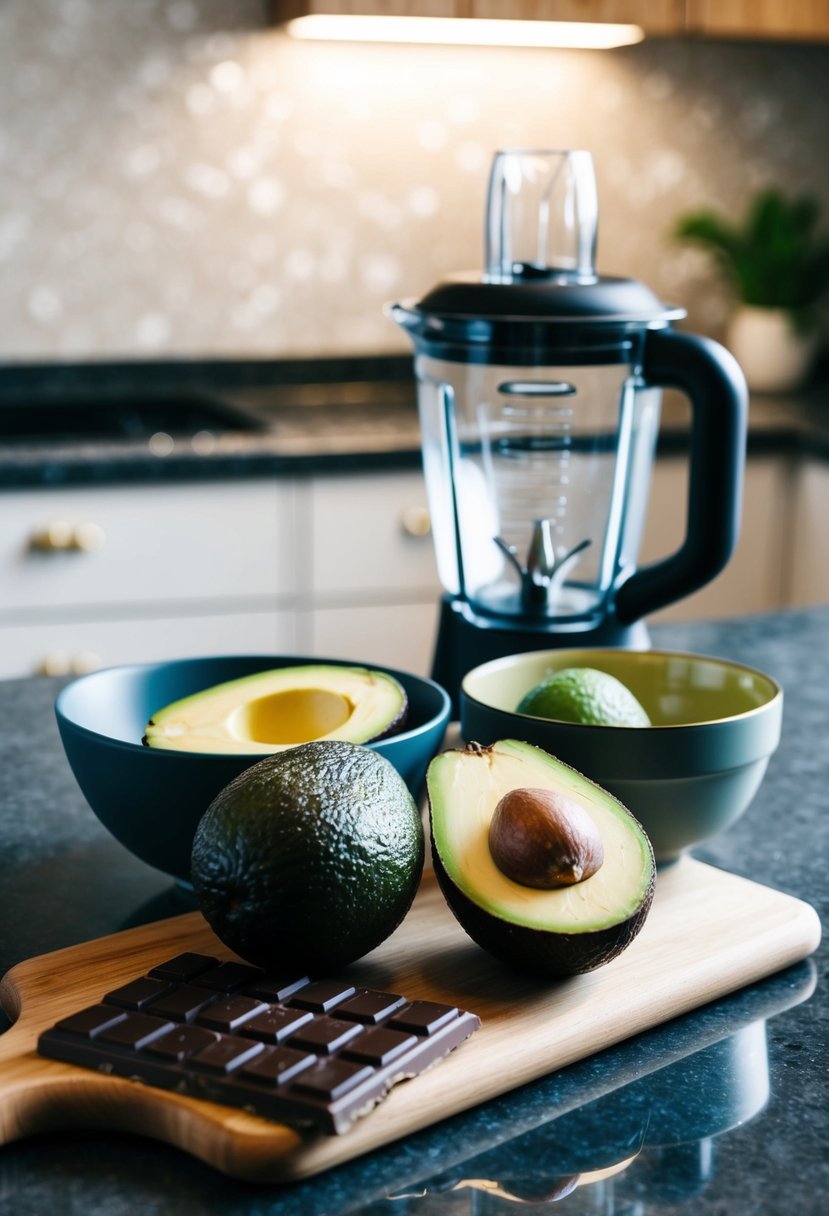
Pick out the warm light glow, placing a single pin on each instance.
(465, 31)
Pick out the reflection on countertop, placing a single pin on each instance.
(200, 420)
(660, 1125)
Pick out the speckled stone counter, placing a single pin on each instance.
(280, 418)
(721, 1111)
(204, 420)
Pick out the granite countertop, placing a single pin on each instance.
(277, 419)
(724, 1109)
(209, 420)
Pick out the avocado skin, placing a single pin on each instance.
(310, 858)
(536, 951)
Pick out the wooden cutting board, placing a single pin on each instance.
(709, 933)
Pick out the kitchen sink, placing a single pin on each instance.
(99, 419)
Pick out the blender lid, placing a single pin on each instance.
(539, 297)
(543, 296)
(539, 254)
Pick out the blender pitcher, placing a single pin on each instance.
(539, 391)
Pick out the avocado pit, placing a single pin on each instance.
(543, 839)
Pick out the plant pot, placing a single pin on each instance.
(775, 358)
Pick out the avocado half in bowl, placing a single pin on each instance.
(688, 775)
(151, 798)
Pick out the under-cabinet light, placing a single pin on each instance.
(476, 31)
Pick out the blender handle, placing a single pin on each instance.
(712, 380)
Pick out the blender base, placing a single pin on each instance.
(466, 638)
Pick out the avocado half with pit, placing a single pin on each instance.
(281, 708)
(582, 868)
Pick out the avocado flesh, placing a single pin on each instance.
(278, 709)
(561, 931)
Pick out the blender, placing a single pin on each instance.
(539, 392)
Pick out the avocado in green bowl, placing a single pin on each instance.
(688, 775)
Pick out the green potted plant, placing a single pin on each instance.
(777, 264)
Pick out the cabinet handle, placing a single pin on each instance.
(55, 663)
(59, 536)
(52, 664)
(415, 521)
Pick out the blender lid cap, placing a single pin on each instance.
(545, 297)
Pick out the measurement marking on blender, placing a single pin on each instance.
(537, 388)
(539, 417)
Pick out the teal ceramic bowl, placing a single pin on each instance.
(688, 776)
(151, 800)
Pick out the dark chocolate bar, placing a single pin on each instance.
(304, 1051)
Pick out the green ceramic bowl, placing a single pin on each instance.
(688, 776)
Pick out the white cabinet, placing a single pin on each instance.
(755, 579)
(76, 646)
(370, 535)
(373, 579)
(340, 566)
(146, 544)
(809, 574)
(92, 576)
(393, 635)
(335, 566)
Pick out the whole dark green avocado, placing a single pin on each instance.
(310, 858)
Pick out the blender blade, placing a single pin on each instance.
(546, 566)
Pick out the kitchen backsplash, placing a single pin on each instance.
(179, 179)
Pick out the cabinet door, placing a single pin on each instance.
(809, 537)
(658, 16)
(755, 578)
(654, 16)
(370, 539)
(72, 648)
(389, 635)
(163, 544)
(805, 19)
